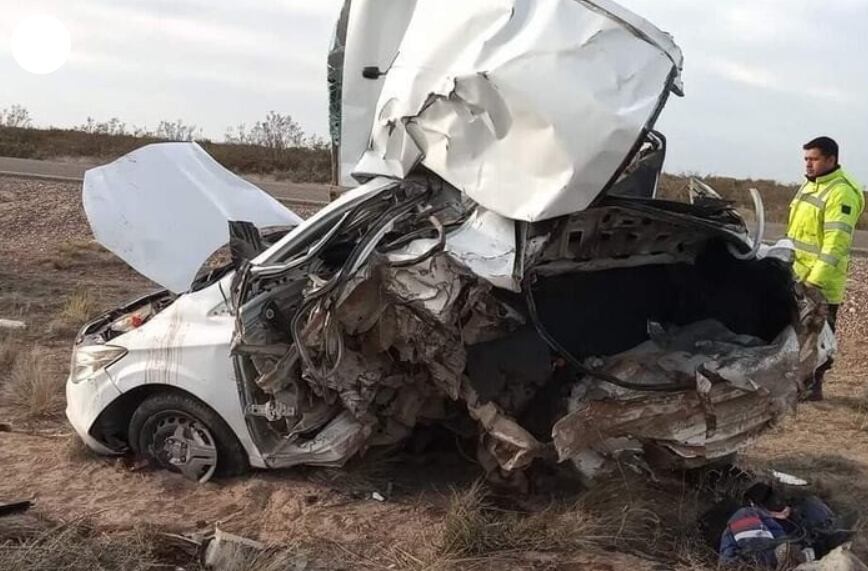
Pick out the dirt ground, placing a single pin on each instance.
(51, 275)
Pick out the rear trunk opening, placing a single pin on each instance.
(752, 297)
(651, 327)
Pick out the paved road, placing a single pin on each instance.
(299, 193)
(46, 169)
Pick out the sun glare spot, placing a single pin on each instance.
(40, 44)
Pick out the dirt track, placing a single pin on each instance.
(826, 442)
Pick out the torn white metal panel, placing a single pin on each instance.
(484, 244)
(783, 250)
(336, 443)
(645, 29)
(431, 287)
(327, 217)
(839, 559)
(742, 387)
(508, 443)
(164, 209)
(463, 97)
(374, 32)
(827, 345)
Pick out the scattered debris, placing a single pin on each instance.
(15, 507)
(788, 479)
(12, 324)
(223, 550)
(840, 559)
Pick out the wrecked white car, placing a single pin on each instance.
(503, 270)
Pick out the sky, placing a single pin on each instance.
(761, 76)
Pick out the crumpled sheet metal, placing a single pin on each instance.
(403, 330)
(340, 440)
(502, 437)
(742, 387)
(406, 331)
(463, 98)
(818, 340)
(427, 314)
(484, 244)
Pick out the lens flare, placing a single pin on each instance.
(41, 44)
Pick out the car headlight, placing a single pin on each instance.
(91, 359)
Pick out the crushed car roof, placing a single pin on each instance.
(530, 108)
(164, 209)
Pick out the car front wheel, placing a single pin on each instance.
(181, 434)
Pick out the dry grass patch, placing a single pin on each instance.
(77, 310)
(37, 544)
(10, 346)
(79, 307)
(16, 306)
(78, 545)
(76, 450)
(621, 516)
(269, 559)
(657, 521)
(79, 253)
(32, 386)
(79, 248)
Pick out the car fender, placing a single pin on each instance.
(186, 347)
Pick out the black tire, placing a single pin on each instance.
(159, 413)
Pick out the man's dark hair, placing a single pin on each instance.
(827, 146)
(764, 496)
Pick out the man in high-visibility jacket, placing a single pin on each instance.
(823, 218)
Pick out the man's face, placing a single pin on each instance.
(816, 164)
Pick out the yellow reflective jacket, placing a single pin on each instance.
(823, 218)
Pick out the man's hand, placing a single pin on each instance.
(783, 514)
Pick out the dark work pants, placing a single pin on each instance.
(833, 315)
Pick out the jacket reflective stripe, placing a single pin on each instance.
(843, 226)
(806, 247)
(825, 194)
(812, 200)
(819, 200)
(829, 259)
(753, 534)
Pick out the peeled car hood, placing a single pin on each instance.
(530, 108)
(164, 209)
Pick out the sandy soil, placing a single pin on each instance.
(45, 256)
